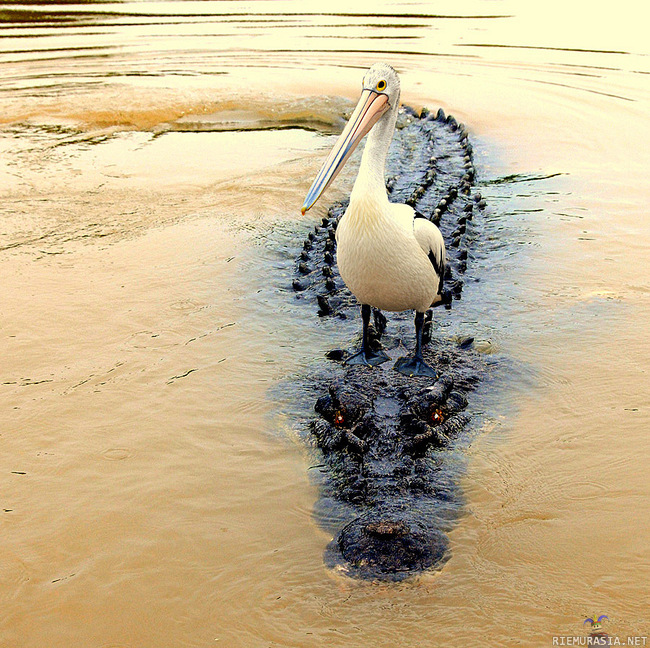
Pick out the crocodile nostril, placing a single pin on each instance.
(387, 529)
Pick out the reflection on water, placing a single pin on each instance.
(153, 158)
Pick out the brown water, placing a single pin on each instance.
(154, 156)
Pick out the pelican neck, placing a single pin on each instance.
(370, 182)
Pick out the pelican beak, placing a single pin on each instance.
(372, 105)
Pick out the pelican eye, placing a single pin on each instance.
(437, 417)
(381, 85)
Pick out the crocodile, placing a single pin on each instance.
(387, 442)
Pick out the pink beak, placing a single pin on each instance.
(372, 105)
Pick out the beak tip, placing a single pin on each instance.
(303, 210)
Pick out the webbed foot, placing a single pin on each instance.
(367, 357)
(414, 366)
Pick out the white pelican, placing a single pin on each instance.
(388, 257)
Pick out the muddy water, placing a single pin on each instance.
(153, 160)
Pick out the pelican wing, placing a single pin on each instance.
(431, 241)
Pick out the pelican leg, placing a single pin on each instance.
(415, 365)
(366, 356)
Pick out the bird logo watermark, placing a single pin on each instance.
(597, 636)
(597, 622)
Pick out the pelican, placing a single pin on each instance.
(389, 256)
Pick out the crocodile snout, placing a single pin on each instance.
(387, 544)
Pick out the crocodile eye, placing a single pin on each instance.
(339, 419)
(437, 417)
(381, 85)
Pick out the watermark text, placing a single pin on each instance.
(599, 641)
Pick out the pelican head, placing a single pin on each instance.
(380, 94)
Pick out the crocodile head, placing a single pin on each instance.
(382, 441)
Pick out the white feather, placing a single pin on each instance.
(432, 243)
(382, 255)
